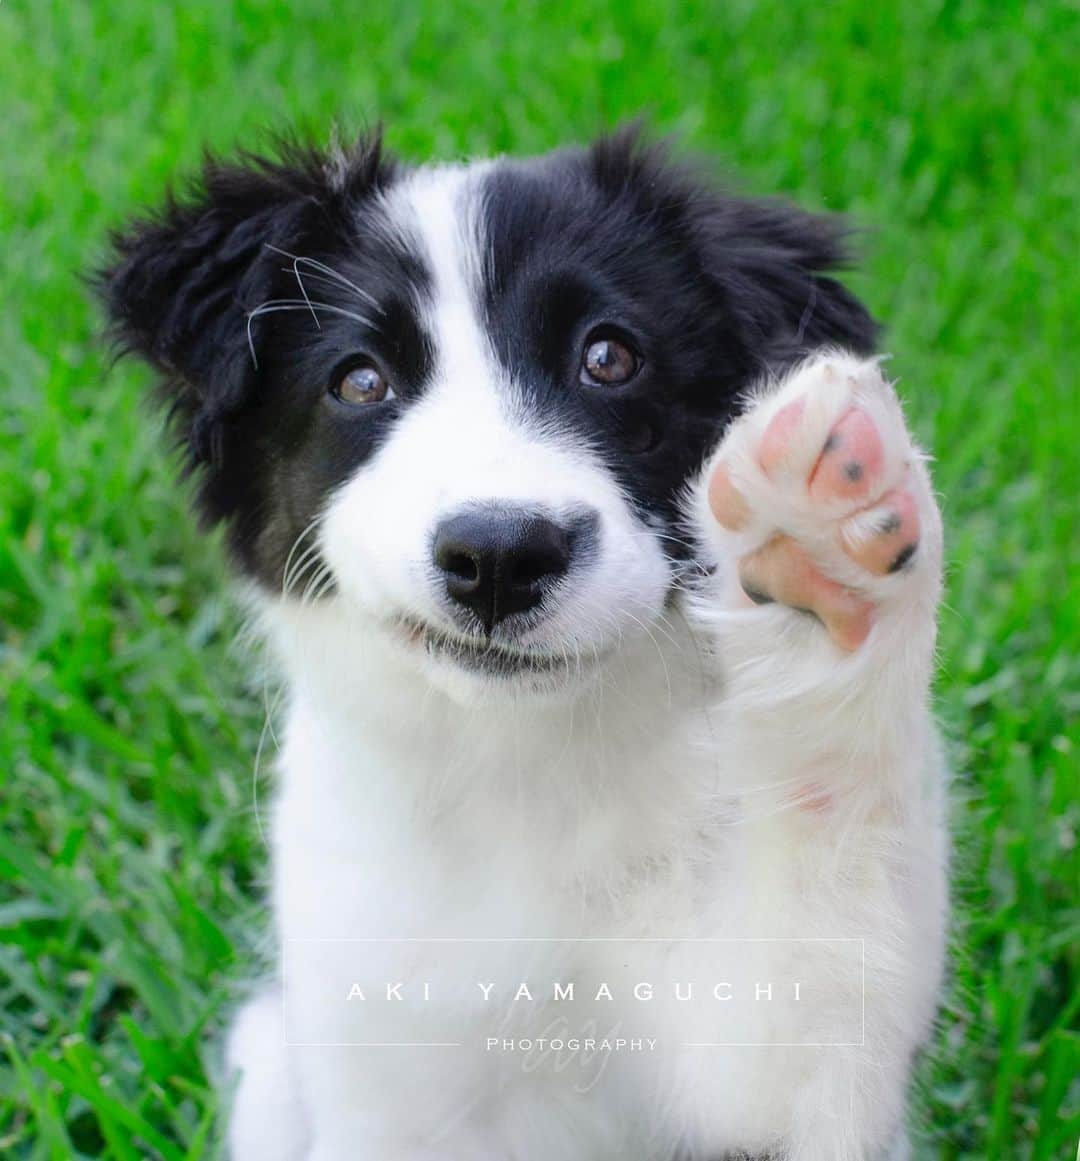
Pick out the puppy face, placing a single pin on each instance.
(466, 401)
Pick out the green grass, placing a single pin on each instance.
(129, 857)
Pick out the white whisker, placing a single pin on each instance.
(274, 305)
(329, 270)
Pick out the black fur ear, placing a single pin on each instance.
(181, 283)
(769, 260)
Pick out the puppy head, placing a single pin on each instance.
(462, 403)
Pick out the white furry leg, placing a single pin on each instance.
(267, 1121)
(827, 543)
(900, 1150)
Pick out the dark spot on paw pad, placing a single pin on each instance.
(853, 470)
(757, 595)
(903, 557)
(890, 524)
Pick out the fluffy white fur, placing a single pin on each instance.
(705, 771)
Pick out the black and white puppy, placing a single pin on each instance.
(603, 573)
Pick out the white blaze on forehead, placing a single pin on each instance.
(437, 212)
(480, 440)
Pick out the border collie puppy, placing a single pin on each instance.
(603, 574)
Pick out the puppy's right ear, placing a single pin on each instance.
(181, 283)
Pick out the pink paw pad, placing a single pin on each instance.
(728, 504)
(781, 571)
(779, 435)
(851, 460)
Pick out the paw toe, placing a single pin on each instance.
(851, 460)
(780, 435)
(728, 504)
(885, 538)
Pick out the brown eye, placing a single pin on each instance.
(362, 384)
(608, 362)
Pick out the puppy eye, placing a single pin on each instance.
(608, 362)
(362, 384)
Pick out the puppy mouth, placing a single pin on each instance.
(482, 655)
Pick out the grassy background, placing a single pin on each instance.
(129, 858)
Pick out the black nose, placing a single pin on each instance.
(498, 562)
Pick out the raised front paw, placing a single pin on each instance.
(824, 502)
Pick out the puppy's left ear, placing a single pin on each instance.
(772, 263)
(768, 261)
